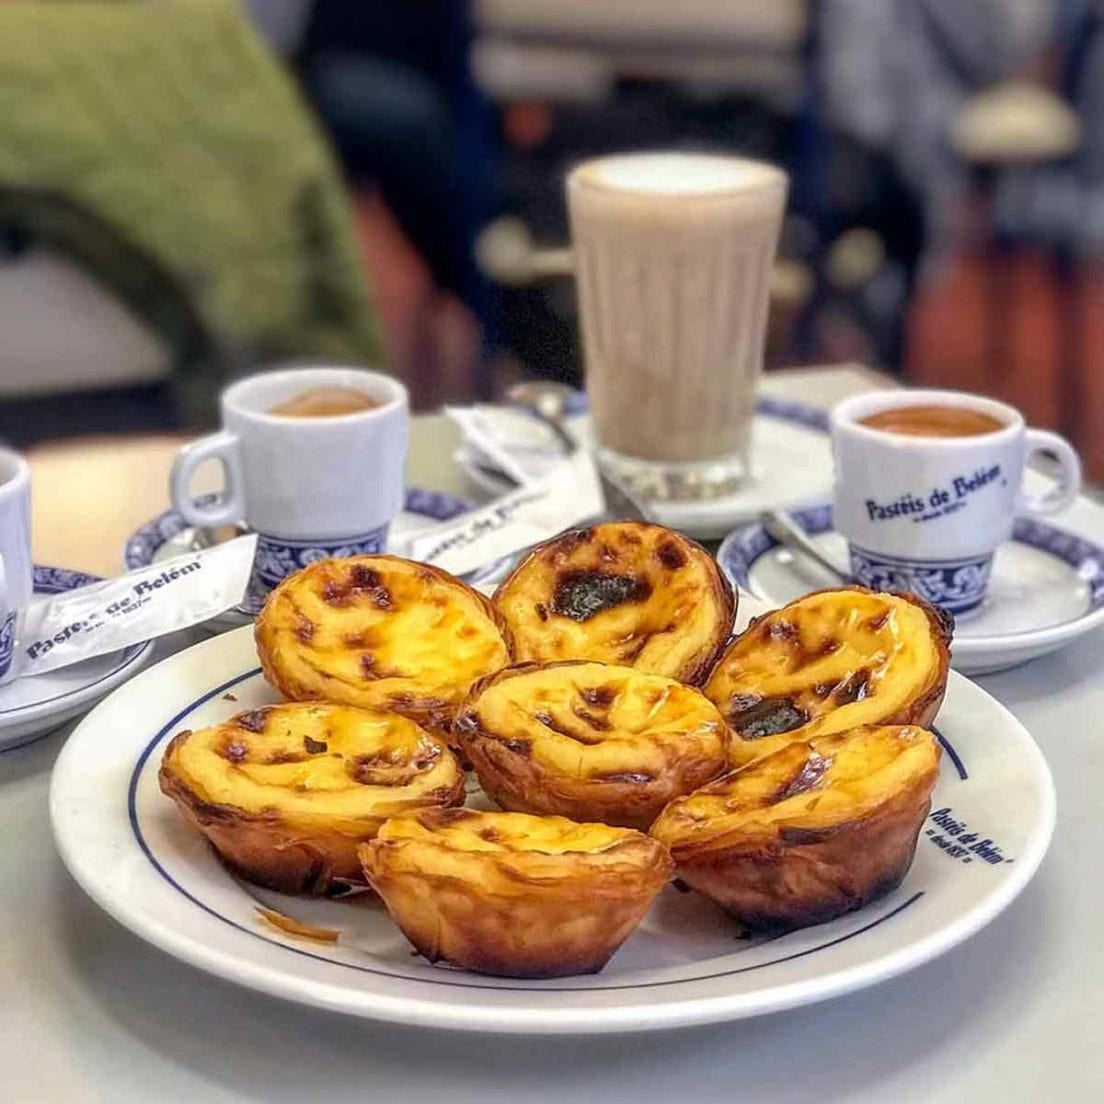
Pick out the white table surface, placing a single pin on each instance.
(89, 1012)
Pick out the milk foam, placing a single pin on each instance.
(680, 173)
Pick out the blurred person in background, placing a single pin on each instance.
(392, 87)
(897, 72)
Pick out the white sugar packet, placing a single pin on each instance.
(570, 493)
(509, 440)
(151, 602)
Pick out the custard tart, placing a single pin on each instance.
(624, 592)
(380, 632)
(590, 741)
(286, 792)
(829, 661)
(511, 894)
(817, 829)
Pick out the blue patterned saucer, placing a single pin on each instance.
(31, 707)
(169, 534)
(1046, 588)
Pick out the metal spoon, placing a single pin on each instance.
(546, 400)
(789, 534)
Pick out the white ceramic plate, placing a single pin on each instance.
(791, 466)
(134, 854)
(31, 707)
(1046, 588)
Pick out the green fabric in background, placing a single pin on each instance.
(160, 144)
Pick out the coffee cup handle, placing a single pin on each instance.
(230, 508)
(1069, 481)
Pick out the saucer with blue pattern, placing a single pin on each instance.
(1046, 587)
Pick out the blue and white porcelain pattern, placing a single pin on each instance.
(277, 558)
(1046, 586)
(956, 585)
(7, 643)
(144, 544)
(169, 534)
(31, 707)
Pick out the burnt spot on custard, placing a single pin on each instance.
(853, 688)
(599, 724)
(541, 611)
(812, 771)
(599, 697)
(518, 747)
(234, 751)
(754, 717)
(361, 582)
(552, 725)
(779, 629)
(304, 630)
(582, 595)
(670, 555)
(315, 747)
(632, 650)
(878, 622)
(491, 835)
(253, 721)
(368, 666)
(390, 767)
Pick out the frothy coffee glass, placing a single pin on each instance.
(673, 257)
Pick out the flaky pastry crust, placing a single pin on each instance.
(818, 828)
(511, 894)
(286, 792)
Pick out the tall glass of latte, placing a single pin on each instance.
(673, 258)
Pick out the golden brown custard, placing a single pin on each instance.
(512, 894)
(818, 828)
(590, 741)
(381, 632)
(830, 661)
(933, 421)
(626, 593)
(286, 792)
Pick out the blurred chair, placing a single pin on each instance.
(161, 148)
(1013, 127)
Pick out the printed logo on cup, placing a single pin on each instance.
(924, 512)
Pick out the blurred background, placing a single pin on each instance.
(192, 188)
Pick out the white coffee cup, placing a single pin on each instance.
(16, 565)
(310, 487)
(925, 514)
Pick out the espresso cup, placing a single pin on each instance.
(925, 514)
(310, 487)
(16, 566)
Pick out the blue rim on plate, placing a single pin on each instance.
(740, 550)
(142, 545)
(57, 580)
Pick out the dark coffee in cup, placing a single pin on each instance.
(933, 421)
(325, 402)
